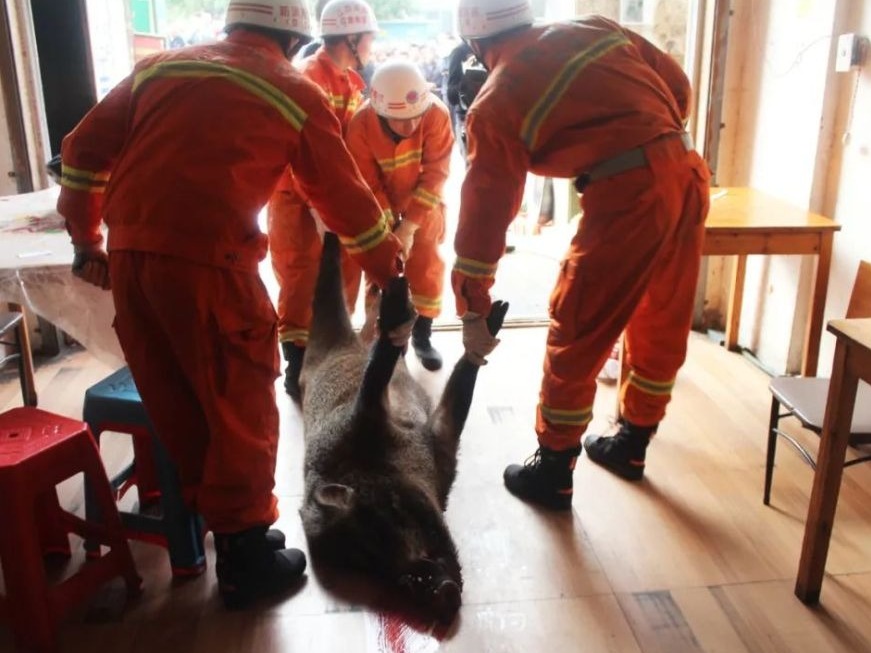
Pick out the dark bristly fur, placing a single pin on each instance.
(379, 461)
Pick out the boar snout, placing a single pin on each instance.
(445, 601)
(433, 589)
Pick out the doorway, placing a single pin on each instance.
(65, 65)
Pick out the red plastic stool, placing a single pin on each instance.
(38, 450)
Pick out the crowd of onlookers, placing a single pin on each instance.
(430, 56)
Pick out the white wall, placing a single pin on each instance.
(8, 185)
(781, 107)
(847, 195)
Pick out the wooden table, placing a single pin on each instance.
(742, 222)
(35, 257)
(852, 362)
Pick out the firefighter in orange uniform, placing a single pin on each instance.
(348, 28)
(592, 101)
(179, 159)
(401, 139)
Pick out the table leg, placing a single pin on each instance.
(623, 372)
(814, 328)
(736, 299)
(827, 478)
(28, 385)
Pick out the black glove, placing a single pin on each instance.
(91, 264)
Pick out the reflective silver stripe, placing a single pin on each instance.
(567, 417)
(77, 179)
(474, 269)
(291, 111)
(648, 386)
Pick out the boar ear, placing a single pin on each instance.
(335, 497)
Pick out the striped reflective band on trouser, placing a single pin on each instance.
(294, 335)
(475, 269)
(580, 417)
(648, 386)
(426, 303)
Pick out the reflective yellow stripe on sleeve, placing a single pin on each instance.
(426, 198)
(340, 101)
(409, 158)
(369, 239)
(291, 111)
(538, 114)
(92, 182)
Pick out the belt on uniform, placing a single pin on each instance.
(628, 160)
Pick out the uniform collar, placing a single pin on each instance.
(243, 36)
(323, 57)
(505, 49)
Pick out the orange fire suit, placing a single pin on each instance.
(294, 243)
(178, 159)
(407, 176)
(564, 100)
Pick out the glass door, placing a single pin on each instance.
(549, 216)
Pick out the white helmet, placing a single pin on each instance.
(478, 19)
(345, 17)
(399, 90)
(284, 15)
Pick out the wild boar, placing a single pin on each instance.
(379, 461)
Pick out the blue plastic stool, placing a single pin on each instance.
(113, 404)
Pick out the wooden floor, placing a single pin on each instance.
(687, 560)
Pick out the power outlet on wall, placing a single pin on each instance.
(851, 52)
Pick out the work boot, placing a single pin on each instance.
(545, 478)
(293, 354)
(275, 538)
(420, 341)
(622, 453)
(248, 568)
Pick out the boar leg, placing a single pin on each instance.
(394, 311)
(449, 418)
(331, 325)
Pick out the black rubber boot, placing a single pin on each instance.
(622, 453)
(249, 568)
(293, 354)
(275, 538)
(420, 341)
(545, 478)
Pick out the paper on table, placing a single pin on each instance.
(35, 258)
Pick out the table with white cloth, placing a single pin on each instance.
(35, 259)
